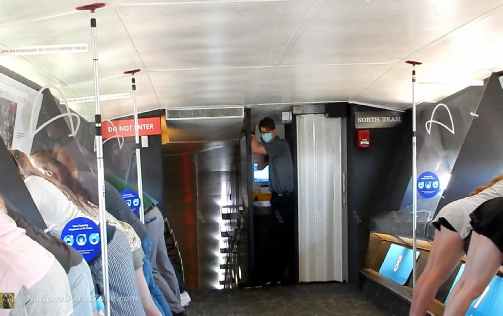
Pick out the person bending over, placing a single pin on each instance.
(453, 228)
(485, 256)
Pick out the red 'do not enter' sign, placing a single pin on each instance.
(125, 128)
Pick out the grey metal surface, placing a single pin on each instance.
(204, 124)
(321, 207)
(204, 130)
(200, 179)
(216, 188)
(245, 52)
(309, 109)
(199, 113)
(181, 205)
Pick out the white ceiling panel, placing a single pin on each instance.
(206, 86)
(20, 12)
(202, 35)
(458, 60)
(247, 52)
(393, 89)
(115, 51)
(379, 31)
(247, 86)
(117, 85)
(305, 83)
(472, 52)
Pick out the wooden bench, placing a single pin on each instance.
(378, 247)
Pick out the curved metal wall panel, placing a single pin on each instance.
(180, 197)
(199, 181)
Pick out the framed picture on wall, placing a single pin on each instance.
(8, 118)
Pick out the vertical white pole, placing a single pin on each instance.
(414, 171)
(101, 174)
(414, 179)
(138, 147)
(99, 158)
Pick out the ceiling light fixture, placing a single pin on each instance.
(468, 83)
(44, 50)
(266, 67)
(204, 113)
(173, 3)
(103, 97)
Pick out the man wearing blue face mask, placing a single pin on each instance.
(282, 202)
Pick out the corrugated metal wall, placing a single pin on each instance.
(322, 220)
(199, 180)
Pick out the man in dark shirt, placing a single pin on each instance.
(282, 202)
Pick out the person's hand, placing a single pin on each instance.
(257, 147)
(258, 135)
(254, 139)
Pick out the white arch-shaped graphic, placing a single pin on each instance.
(37, 105)
(432, 120)
(120, 138)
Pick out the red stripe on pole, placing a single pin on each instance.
(91, 7)
(132, 72)
(413, 62)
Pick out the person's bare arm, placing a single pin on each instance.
(257, 148)
(487, 185)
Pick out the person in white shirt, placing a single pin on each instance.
(453, 230)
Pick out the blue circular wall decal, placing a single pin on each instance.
(428, 185)
(83, 235)
(132, 200)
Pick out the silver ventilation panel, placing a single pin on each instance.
(200, 125)
(204, 113)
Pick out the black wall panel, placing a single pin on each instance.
(12, 188)
(481, 157)
(152, 170)
(122, 162)
(377, 180)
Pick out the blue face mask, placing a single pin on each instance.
(267, 137)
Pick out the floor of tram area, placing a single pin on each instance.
(318, 299)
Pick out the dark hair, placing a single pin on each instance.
(62, 176)
(267, 123)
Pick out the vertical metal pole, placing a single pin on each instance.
(414, 178)
(101, 170)
(414, 172)
(99, 157)
(138, 145)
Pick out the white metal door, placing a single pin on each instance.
(321, 199)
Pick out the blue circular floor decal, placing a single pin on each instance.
(428, 185)
(132, 200)
(83, 235)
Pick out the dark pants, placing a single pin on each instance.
(282, 238)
